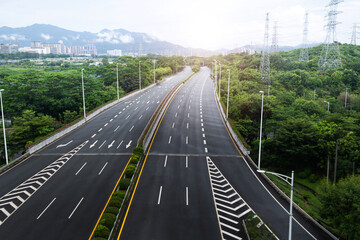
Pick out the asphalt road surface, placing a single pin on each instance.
(59, 192)
(196, 185)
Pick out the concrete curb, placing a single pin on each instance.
(272, 184)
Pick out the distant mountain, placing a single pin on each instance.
(128, 42)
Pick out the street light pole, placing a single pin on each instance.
(3, 123)
(117, 80)
(220, 81)
(140, 75)
(215, 75)
(346, 96)
(291, 183)
(83, 93)
(227, 105)
(154, 70)
(328, 103)
(261, 120)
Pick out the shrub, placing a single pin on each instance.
(134, 159)
(120, 194)
(313, 178)
(115, 203)
(124, 183)
(129, 172)
(100, 238)
(102, 231)
(138, 151)
(113, 210)
(108, 220)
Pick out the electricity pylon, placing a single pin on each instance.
(304, 53)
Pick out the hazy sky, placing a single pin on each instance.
(192, 23)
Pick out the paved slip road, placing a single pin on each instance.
(196, 185)
(59, 192)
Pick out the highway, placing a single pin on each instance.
(59, 192)
(196, 185)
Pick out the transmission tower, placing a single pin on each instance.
(330, 54)
(353, 36)
(304, 53)
(265, 57)
(274, 45)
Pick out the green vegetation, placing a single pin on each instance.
(298, 132)
(42, 95)
(108, 219)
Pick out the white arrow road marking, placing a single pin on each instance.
(111, 144)
(64, 145)
(93, 145)
(120, 144)
(128, 145)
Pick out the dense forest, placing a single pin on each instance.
(299, 133)
(39, 99)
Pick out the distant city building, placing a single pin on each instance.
(114, 52)
(90, 49)
(9, 48)
(77, 50)
(39, 50)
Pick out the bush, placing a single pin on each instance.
(102, 231)
(115, 203)
(124, 183)
(134, 159)
(138, 151)
(113, 210)
(108, 220)
(313, 178)
(100, 238)
(304, 174)
(129, 172)
(120, 194)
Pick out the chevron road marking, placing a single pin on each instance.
(26, 189)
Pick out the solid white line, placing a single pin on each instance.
(228, 219)
(116, 128)
(127, 117)
(165, 161)
(159, 195)
(140, 117)
(231, 235)
(103, 168)
(45, 208)
(76, 208)
(169, 139)
(187, 140)
(102, 144)
(131, 128)
(120, 144)
(187, 196)
(100, 130)
(187, 161)
(106, 124)
(173, 125)
(230, 227)
(93, 135)
(80, 169)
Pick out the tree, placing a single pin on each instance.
(340, 204)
